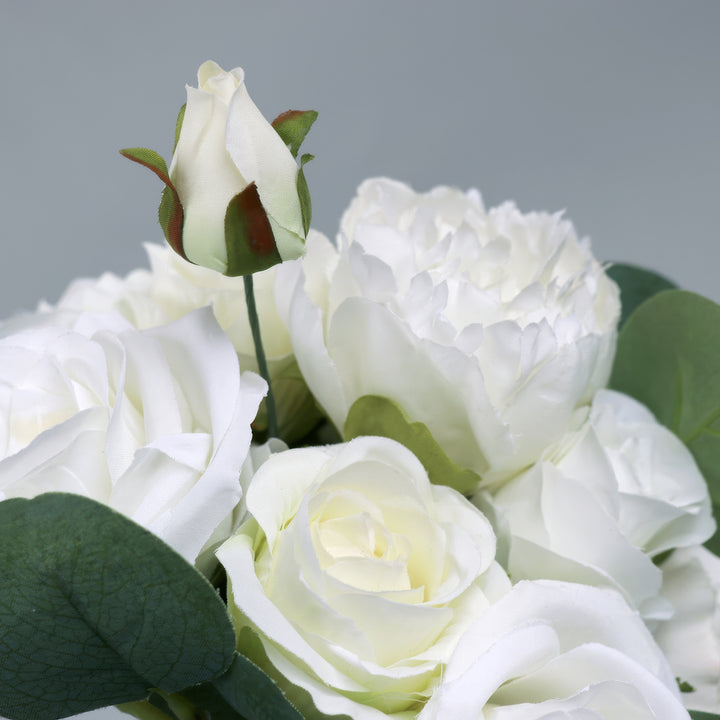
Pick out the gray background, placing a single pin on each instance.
(608, 109)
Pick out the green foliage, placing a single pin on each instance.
(668, 357)
(292, 126)
(374, 415)
(170, 212)
(249, 238)
(95, 611)
(699, 715)
(244, 692)
(304, 193)
(636, 285)
(178, 125)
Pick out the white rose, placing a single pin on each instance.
(155, 424)
(174, 287)
(358, 575)
(606, 500)
(488, 327)
(225, 145)
(691, 638)
(552, 650)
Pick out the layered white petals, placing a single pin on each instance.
(504, 322)
(358, 574)
(691, 638)
(224, 145)
(556, 650)
(171, 289)
(604, 501)
(153, 423)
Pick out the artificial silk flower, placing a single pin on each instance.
(358, 575)
(153, 423)
(551, 650)
(690, 639)
(174, 287)
(489, 327)
(235, 199)
(603, 502)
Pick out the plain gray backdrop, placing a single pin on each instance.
(609, 110)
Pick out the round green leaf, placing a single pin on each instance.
(244, 692)
(95, 611)
(636, 286)
(375, 415)
(668, 357)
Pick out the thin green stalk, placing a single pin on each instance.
(260, 355)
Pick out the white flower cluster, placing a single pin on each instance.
(571, 583)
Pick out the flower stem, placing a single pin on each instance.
(260, 355)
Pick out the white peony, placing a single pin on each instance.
(358, 575)
(551, 650)
(606, 500)
(691, 638)
(490, 327)
(154, 423)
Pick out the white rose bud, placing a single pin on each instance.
(235, 200)
(489, 328)
(606, 500)
(154, 423)
(358, 575)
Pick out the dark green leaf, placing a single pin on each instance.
(636, 285)
(699, 715)
(292, 126)
(304, 193)
(170, 212)
(374, 415)
(95, 611)
(244, 692)
(248, 235)
(170, 215)
(178, 125)
(150, 159)
(668, 357)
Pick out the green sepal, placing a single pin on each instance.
(668, 357)
(178, 125)
(636, 286)
(375, 415)
(293, 126)
(244, 692)
(170, 212)
(249, 237)
(304, 193)
(95, 611)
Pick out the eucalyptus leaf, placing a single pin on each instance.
(636, 285)
(375, 415)
(668, 357)
(95, 610)
(244, 692)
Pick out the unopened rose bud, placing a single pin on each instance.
(235, 199)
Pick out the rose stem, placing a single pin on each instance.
(260, 355)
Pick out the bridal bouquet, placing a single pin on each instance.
(447, 467)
